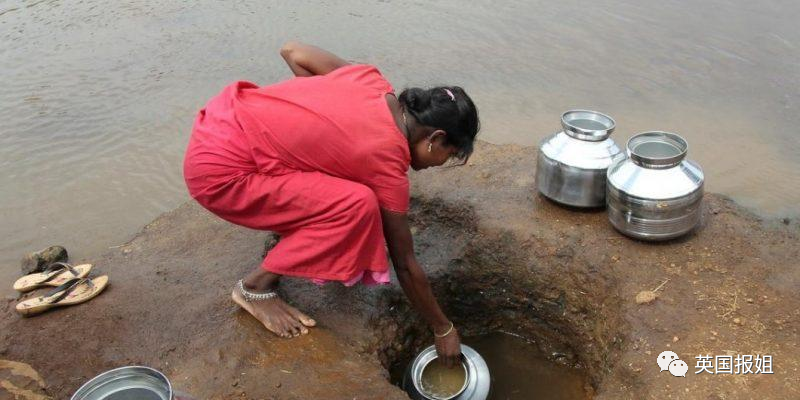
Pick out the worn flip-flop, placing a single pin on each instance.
(54, 275)
(74, 291)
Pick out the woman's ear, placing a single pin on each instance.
(437, 134)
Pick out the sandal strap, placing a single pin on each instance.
(66, 288)
(55, 269)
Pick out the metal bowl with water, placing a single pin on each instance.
(126, 383)
(476, 385)
(572, 164)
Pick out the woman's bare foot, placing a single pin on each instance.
(274, 313)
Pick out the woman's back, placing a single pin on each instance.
(338, 124)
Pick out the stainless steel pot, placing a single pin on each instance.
(476, 386)
(129, 383)
(126, 383)
(572, 164)
(655, 194)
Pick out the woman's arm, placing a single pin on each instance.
(416, 286)
(307, 60)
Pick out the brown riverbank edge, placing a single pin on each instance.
(500, 257)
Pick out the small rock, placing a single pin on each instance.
(750, 300)
(786, 221)
(645, 296)
(737, 321)
(277, 385)
(675, 339)
(235, 383)
(38, 260)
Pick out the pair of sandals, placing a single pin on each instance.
(71, 287)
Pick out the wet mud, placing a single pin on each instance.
(500, 258)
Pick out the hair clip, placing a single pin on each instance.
(449, 93)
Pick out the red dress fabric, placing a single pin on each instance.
(313, 159)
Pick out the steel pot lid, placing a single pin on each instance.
(132, 382)
(587, 125)
(657, 149)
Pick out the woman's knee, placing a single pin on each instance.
(364, 200)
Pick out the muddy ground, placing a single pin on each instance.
(500, 258)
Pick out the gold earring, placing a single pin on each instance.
(430, 147)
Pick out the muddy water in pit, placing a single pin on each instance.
(520, 371)
(98, 96)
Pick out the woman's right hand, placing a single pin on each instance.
(448, 348)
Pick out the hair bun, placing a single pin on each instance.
(417, 99)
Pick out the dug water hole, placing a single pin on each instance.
(520, 370)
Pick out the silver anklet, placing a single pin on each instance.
(250, 296)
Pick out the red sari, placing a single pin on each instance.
(313, 159)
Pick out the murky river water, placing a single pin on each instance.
(98, 97)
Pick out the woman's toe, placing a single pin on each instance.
(294, 330)
(303, 318)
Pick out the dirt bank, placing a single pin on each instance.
(501, 258)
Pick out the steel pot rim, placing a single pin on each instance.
(670, 138)
(591, 135)
(478, 375)
(108, 377)
(426, 358)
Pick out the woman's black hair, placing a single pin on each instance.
(456, 115)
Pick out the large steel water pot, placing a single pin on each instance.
(655, 194)
(129, 383)
(476, 385)
(572, 164)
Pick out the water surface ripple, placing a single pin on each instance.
(98, 96)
